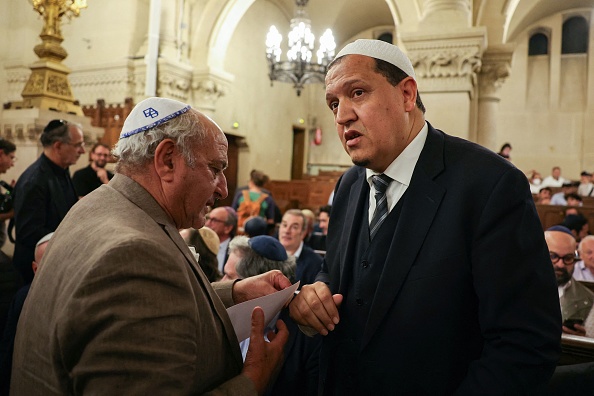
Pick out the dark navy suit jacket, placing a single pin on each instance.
(467, 301)
(39, 206)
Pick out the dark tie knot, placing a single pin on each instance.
(381, 183)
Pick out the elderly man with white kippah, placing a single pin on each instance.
(120, 306)
(437, 278)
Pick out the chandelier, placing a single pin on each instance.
(299, 68)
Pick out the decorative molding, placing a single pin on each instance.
(494, 72)
(174, 80)
(455, 56)
(208, 87)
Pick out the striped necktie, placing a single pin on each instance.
(381, 183)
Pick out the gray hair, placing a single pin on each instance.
(251, 263)
(298, 213)
(185, 130)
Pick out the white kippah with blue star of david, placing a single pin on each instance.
(151, 112)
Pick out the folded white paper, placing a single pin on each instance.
(241, 314)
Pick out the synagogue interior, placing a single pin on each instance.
(494, 72)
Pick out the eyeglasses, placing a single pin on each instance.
(568, 259)
(208, 218)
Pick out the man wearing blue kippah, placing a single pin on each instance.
(120, 306)
(436, 279)
(576, 299)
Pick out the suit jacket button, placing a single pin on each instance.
(359, 301)
(365, 264)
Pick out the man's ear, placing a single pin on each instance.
(165, 159)
(409, 93)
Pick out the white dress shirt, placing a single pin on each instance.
(222, 253)
(400, 170)
(582, 273)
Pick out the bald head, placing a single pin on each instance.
(586, 251)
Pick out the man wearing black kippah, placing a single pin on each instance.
(44, 192)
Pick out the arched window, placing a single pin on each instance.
(538, 44)
(387, 37)
(575, 36)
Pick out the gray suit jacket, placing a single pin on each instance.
(120, 306)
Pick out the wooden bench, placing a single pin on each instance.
(311, 193)
(576, 349)
(551, 215)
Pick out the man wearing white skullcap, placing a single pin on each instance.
(437, 278)
(120, 305)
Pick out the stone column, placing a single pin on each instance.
(446, 53)
(446, 66)
(495, 70)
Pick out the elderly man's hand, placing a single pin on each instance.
(264, 359)
(259, 285)
(316, 307)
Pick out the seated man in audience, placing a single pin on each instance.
(318, 240)
(7, 345)
(291, 234)
(578, 225)
(584, 269)
(544, 196)
(560, 198)
(299, 373)
(555, 179)
(574, 199)
(223, 221)
(576, 300)
(586, 188)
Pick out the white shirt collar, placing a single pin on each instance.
(298, 251)
(401, 169)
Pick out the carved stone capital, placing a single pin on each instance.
(449, 61)
(208, 87)
(496, 68)
(174, 80)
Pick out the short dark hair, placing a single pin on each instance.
(395, 75)
(55, 131)
(231, 219)
(326, 209)
(7, 146)
(574, 222)
(99, 144)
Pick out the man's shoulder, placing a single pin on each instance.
(577, 291)
(308, 254)
(38, 172)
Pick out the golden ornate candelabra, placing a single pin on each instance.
(48, 86)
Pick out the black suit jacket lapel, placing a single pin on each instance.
(358, 203)
(420, 205)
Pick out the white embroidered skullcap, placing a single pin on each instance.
(381, 50)
(151, 112)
